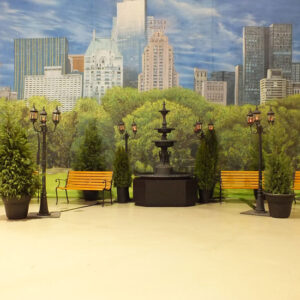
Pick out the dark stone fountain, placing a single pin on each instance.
(164, 187)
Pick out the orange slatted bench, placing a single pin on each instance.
(86, 181)
(238, 180)
(296, 182)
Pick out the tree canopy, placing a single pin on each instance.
(237, 146)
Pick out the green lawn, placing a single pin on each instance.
(52, 174)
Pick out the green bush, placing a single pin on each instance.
(89, 155)
(278, 173)
(206, 168)
(16, 166)
(122, 171)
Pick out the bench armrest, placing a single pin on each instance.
(59, 180)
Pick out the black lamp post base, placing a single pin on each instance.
(52, 215)
(253, 212)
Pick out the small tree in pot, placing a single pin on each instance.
(18, 183)
(122, 175)
(89, 156)
(278, 184)
(206, 168)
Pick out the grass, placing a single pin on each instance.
(245, 196)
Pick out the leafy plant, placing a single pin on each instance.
(278, 173)
(207, 161)
(89, 155)
(16, 167)
(122, 171)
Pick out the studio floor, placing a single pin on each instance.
(126, 252)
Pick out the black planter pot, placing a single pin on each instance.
(280, 205)
(16, 208)
(123, 194)
(90, 195)
(205, 196)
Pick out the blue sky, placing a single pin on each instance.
(204, 33)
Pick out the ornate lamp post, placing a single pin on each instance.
(122, 130)
(43, 130)
(198, 128)
(254, 118)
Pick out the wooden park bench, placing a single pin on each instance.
(238, 180)
(296, 185)
(86, 181)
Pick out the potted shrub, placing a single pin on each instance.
(206, 170)
(122, 175)
(18, 183)
(89, 156)
(278, 184)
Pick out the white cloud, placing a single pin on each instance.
(229, 34)
(20, 24)
(191, 10)
(5, 8)
(45, 2)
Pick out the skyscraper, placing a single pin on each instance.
(129, 30)
(255, 61)
(229, 77)
(280, 48)
(265, 48)
(238, 85)
(155, 25)
(103, 67)
(158, 65)
(296, 71)
(32, 55)
(199, 77)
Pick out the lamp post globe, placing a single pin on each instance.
(122, 130)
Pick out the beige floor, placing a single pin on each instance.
(127, 252)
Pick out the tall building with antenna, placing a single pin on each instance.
(129, 30)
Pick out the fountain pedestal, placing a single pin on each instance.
(171, 191)
(164, 187)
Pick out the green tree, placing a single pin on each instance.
(206, 169)
(121, 167)
(89, 156)
(16, 167)
(278, 173)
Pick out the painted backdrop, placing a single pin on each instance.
(204, 33)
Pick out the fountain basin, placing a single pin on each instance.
(164, 143)
(164, 130)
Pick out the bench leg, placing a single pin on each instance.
(110, 197)
(67, 196)
(56, 196)
(103, 198)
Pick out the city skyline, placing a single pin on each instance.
(205, 34)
